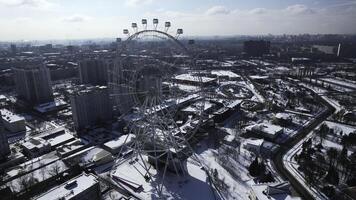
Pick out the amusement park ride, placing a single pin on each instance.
(142, 82)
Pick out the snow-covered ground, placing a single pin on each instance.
(292, 166)
(346, 129)
(340, 82)
(193, 185)
(319, 90)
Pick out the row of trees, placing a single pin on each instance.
(327, 166)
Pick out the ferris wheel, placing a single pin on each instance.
(146, 91)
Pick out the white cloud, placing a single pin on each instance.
(76, 18)
(134, 3)
(23, 20)
(27, 3)
(299, 9)
(258, 11)
(217, 10)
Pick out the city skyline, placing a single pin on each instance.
(55, 19)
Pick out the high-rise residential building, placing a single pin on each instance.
(4, 144)
(257, 48)
(91, 106)
(93, 71)
(33, 83)
(13, 49)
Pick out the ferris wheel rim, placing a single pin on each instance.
(141, 32)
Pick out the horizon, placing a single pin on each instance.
(184, 37)
(72, 20)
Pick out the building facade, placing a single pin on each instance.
(257, 48)
(93, 72)
(91, 106)
(33, 84)
(12, 122)
(4, 144)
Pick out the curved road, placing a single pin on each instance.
(278, 157)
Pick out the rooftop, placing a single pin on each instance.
(189, 77)
(124, 139)
(68, 191)
(10, 117)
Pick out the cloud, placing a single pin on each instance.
(76, 18)
(299, 9)
(258, 11)
(217, 10)
(27, 3)
(23, 20)
(135, 3)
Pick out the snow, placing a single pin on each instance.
(32, 164)
(259, 97)
(193, 185)
(269, 129)
(40, 175)
(230, 74)
(237, 186)
(346, 129)
(117, 143)
(10, 117)
(60, 139)
(83, 182)
(340, 82)
(288, 161)
(189, 77)
(259, 191)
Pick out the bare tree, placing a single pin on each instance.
(55, 169)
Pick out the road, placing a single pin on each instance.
(278, 157)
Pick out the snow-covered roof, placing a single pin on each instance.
(230, 74)
(60, 139)
(253, 141)
(273, 191)
(197, 106)
(117, 143)
(189, 77)
(10, 117)
(82, 183)
(267, 128)
(35, 143)
(283, 116)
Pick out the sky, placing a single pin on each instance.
(82, 19)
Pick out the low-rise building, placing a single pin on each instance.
(35, 147)
(265, 130)
(12, 122)
(271, 191)
(116, 145)
(83, 187)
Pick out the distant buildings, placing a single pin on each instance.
(91, 106)
(257, 48)
(85, 186)
(33, 83)
(4, 144)
(93, 72)
(12, 122)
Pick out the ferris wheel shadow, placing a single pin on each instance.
(193, 184)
